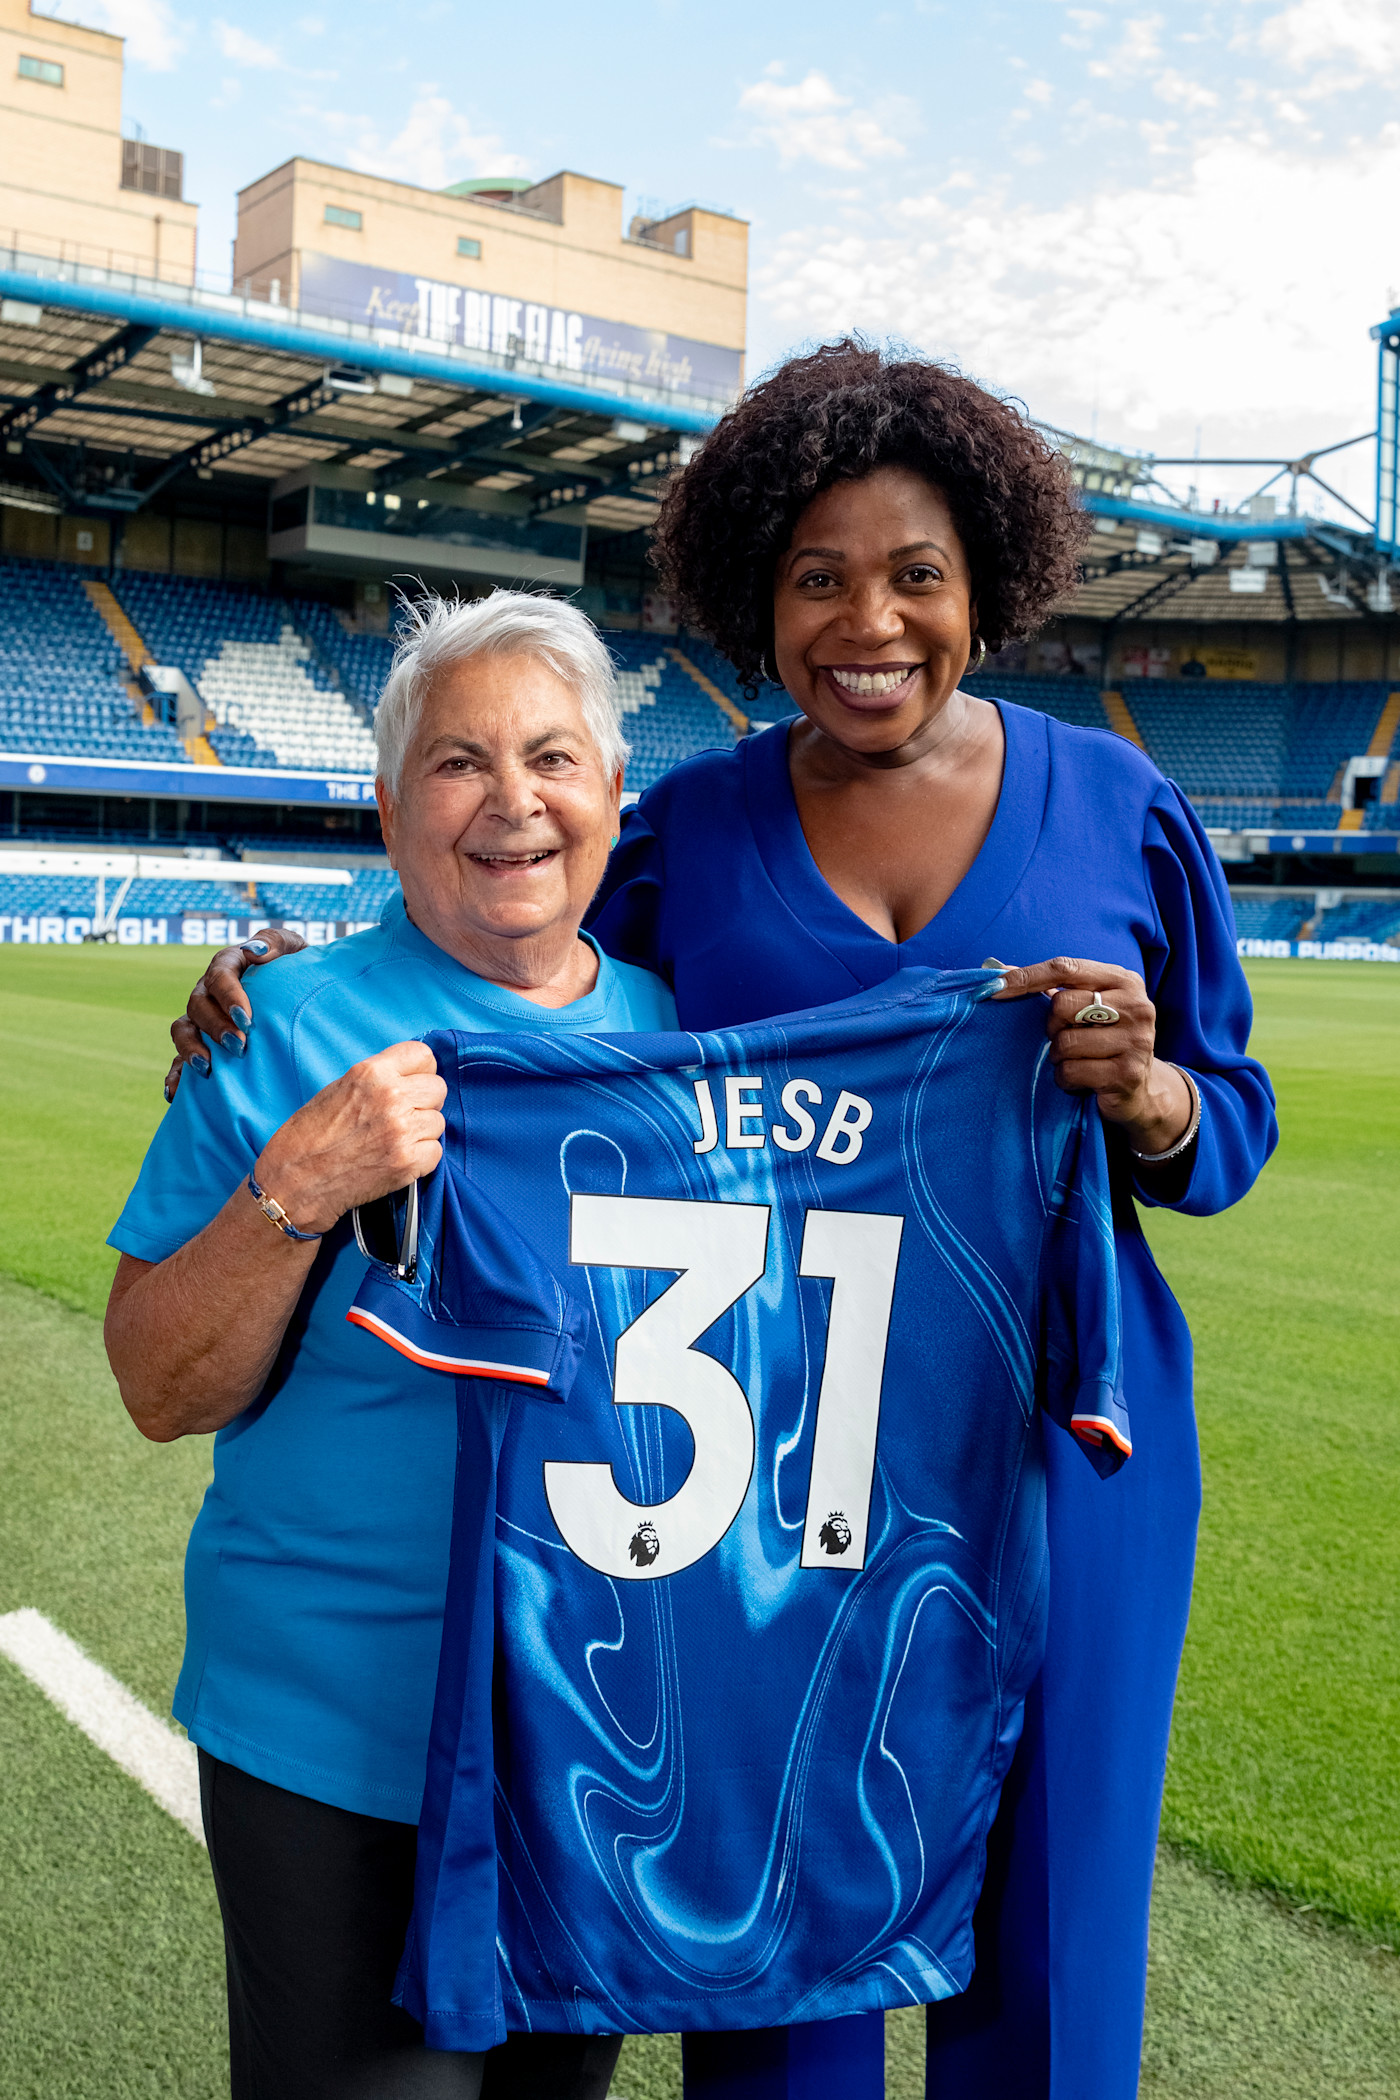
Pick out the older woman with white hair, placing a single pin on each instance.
(317, 1566)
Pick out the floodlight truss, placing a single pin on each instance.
(90, 371)
(249, 430)
(1387, 336)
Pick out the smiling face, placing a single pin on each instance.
(501, 822)
(873, 615)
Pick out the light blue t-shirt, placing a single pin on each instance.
(317, 1567)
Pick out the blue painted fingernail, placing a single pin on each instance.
(232, 1042)
(255, 947)
(201, 1064)
(240, 1017)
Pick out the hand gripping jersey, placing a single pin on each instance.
(739, 1635)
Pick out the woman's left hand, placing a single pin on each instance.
(1116, 1062)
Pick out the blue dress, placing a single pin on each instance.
(1090, 853)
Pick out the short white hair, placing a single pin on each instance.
(435, 632)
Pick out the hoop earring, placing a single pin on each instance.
(974, 667)
(764, 673)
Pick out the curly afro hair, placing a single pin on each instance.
(834, 416)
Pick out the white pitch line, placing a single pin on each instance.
(148, 1751)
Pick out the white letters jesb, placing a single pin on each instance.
(744, 1130)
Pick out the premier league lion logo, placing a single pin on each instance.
(645, 1545)
(835, 1534)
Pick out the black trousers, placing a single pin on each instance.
(315, 1904)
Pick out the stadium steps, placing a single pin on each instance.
(1384, 737)
(202, 751)
(1120, 720)
(123, 633)
(711, 690)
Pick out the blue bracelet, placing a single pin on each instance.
(271, 1208)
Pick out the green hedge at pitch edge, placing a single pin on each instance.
(1285, 1763)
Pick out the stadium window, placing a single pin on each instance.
(468, 247)
(41, 69)
(338, 215)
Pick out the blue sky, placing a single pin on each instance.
(1145, 221)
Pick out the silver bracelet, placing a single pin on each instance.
(1159, 1159)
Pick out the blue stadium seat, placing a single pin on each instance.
(1074, 700)
(364, 900)
(74, 896)
(277, 703)
(666, 715)
(62, 689)
(1270, 918)
(1358, 919)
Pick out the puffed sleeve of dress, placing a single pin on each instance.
(1204, 1014)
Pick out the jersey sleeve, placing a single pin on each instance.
(479, 1302)
(1081, 1358)
(625, 915)
(1204, 1013)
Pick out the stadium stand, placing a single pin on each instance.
(61, 673)
(665, 715)
(363, 901)
(1074, 700)
(770, 705)
(1238, 739)
(1270, 918)
(1358, 919)
(74, 896)
(1328, 724)
(275, 703)
(1220, 814)
(360, 661)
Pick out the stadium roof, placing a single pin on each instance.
(115, 387)
(106, 399)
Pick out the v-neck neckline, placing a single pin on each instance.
(988, 884)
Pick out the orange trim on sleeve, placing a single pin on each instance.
(1097, 1429)
(464, 1366)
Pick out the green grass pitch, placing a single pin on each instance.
(1278, 1900)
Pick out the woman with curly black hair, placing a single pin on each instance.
(855, 535)
(859, 532)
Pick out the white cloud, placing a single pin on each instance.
(242, 49)
(153, 37)
(1365, 33)
(809, 120)
(1182, 92)
(1240, 292)
(436, 146)
(1038, 91)
(1137, 49)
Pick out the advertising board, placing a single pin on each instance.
(552, 337)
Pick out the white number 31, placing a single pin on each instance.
(721, 1251)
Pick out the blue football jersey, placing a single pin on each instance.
(738, 1636)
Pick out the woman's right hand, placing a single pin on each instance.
(374, 1130)
(220, 1005)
